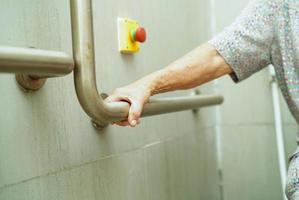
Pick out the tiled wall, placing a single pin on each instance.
(48, 148)
(249, 153)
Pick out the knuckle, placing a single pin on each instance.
(135, 114)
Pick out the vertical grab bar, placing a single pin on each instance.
(90, 99)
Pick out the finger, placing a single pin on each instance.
(112, 98)
(122, 123)
(134, 113)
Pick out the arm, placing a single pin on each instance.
(241, 50)
(201, 65)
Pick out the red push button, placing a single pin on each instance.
(139, 34)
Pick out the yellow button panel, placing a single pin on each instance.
(129, 33)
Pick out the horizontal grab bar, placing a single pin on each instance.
(174, 104)
(91, 101)
(35, 62)
(158, 106)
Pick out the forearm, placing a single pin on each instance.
(197, 67)
(201, 65)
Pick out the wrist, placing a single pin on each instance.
(155, 82)
(151, 82)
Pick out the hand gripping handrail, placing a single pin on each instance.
(32, 66)
(92, 102)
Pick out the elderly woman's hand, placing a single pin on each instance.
(201, 65)
(136, 94)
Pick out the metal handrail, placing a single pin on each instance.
(91, 101)
(35, 62)
(33, 66)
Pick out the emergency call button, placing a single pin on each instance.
(130, 35)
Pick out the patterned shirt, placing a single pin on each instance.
(267, 32)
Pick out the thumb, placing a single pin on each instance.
(135, 113)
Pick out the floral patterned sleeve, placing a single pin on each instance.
(246, 44)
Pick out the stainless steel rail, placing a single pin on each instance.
(33, 66)
(85, 80)
(35, 62)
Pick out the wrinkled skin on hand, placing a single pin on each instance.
(136, 94)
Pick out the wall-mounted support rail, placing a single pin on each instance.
(89, 97)
(32, 66)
